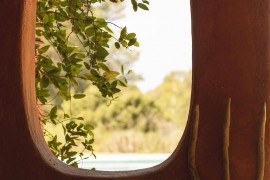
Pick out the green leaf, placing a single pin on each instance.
(145, 2)
(88, 127)
(117, 45)
(122, 84)
(75, 164)
(90, 31)
(94, 73)
(89, 77)
(122, 69)
(124, 43)
(44, 49)
(72, 153)
(101, 52)
(125, 79)
(91, 141)
(134, 5)
(110, 75)
(79, 96)
(66, 115)
(132, 42)
(53, 111)
(103, 67)
(44, 82)
(81, 55)
(115, 90)
(79, 128)
(136, 44)
(45, 19)
(114, 84)
(87, 66)
(143, 6)
(131, 36)
(123, 33)
(53, 114)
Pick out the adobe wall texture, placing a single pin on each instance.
(225, 134)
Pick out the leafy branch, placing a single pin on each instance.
(60, 62)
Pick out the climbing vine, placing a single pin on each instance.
(72, 45)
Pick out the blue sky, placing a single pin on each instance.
(164, 33)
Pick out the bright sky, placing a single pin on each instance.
(164, 34)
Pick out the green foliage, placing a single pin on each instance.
(143, 5)
(58, 23)
(74, 133)
(137, 122)
(173, 96)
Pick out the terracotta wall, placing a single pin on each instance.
(230, 84)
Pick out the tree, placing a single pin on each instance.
(137, 122)
(173, 96)
(57, 23)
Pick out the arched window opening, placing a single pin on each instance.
(87, 123)
(230, 98)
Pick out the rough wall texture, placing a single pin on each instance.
(230, 85)
(231, 60)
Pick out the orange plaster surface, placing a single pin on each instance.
(230, 60)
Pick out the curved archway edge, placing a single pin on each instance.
(230, 62)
